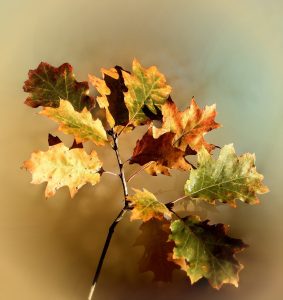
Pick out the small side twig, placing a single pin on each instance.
(139, 170)
(172, 203)
(111, 173)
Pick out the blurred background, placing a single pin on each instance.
(224, 52)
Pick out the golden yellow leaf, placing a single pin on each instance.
(146, 206)
(79, 124)
(59, 166)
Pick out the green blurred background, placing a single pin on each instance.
(224, 52)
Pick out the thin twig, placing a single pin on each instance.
(126, 161)
(175, 214)
(118, 218)
(139, 170)
(177, 200)
(104, 251)
(111, 173)
(124, 127)
(120, 164)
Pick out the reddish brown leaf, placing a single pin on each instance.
(53, 140)
(76, 145)
(154, 237)
(160, 152)
(111, 89)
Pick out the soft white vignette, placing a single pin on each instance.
(224, 52)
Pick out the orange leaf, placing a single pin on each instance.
(189, 126)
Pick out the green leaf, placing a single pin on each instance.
(47, 85)
(80, 124)
(226, 179)
(204, 250)
(60, 166)
(146, 206)
(146, 87)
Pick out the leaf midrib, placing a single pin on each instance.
(216, 184)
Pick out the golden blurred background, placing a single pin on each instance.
(224, 52)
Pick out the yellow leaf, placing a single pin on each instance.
(80, 124)
(59, 166)
(146, 206)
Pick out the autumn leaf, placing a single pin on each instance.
(111, 89)
(154, 237)
(204, 250)
(59, 166)
(53, 140)
(160, 152)
(189, 126)
(146, 206)
(146, 87)
(76, 145)
(47, 85)
(226, 179)
(79, 124)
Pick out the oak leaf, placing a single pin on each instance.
(204, 250)
(159, 153)
(189, 126)
(79, 124)
(145, 206)
(47, 85)
(59, 166)
(226, 179)
(146, 87)
(111, 89)
(154, 237)
(53, 140)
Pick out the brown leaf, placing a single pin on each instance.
(53, 140)
(154, 237)
(189, 126)
(160, 152)
(111, 89)
(47, 85)
(76, 145)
